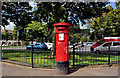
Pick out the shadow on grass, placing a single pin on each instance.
(5, 58)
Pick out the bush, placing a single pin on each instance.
(83, 39)
(25, 43)
(90, 40)
(74, 38)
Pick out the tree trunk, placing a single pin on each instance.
(95, 39)
(42, 38)
(54, 38)
(48, 36)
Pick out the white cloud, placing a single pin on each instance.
(11, 26)
(31, 3)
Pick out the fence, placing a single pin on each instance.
(41, 58)
(33, 58)
(83, 56)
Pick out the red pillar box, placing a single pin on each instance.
(62, 61)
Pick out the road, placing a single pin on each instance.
(13, 48)
(78, 50)
(81, 50)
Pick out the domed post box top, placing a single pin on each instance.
(62, 27)
(63, 24)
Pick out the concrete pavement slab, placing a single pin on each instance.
(9, 69)
(101, 71)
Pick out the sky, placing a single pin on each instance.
(11, 26)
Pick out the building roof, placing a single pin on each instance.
(10, 31)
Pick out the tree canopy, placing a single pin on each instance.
(36, 30)
(6, 35)
(108, 24)
(22, 15)
(17, 12)
(68, 11)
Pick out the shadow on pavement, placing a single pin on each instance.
(77, 67)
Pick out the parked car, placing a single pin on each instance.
(17, 43)
(70, 46)
(89, 44)
(4, 45)
(49, 45)
(38, 46)
(104, 48)
(101, 41)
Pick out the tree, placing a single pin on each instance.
(111, 23)
(68, 12)
(6, 35)
(74, 34)
(96, 26)
(110, 8)
(74, 37)
(15, 33)
(19, 13)
(36, 30)
(117, 4)
(108, 22)
(83, 39)
(50, 13)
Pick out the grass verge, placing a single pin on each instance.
(45, 59)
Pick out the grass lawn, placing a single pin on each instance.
(85, 58)
(44, 59)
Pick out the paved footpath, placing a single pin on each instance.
(9, 69)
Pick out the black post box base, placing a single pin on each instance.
(62, 67)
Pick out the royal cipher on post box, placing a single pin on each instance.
(62, 31)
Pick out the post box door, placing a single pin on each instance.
(62, 47)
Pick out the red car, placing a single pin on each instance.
(101, 41)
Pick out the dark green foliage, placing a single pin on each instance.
(6, 35)
(49, 13)
(17, 12)
(106, 25)
(15, 32)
